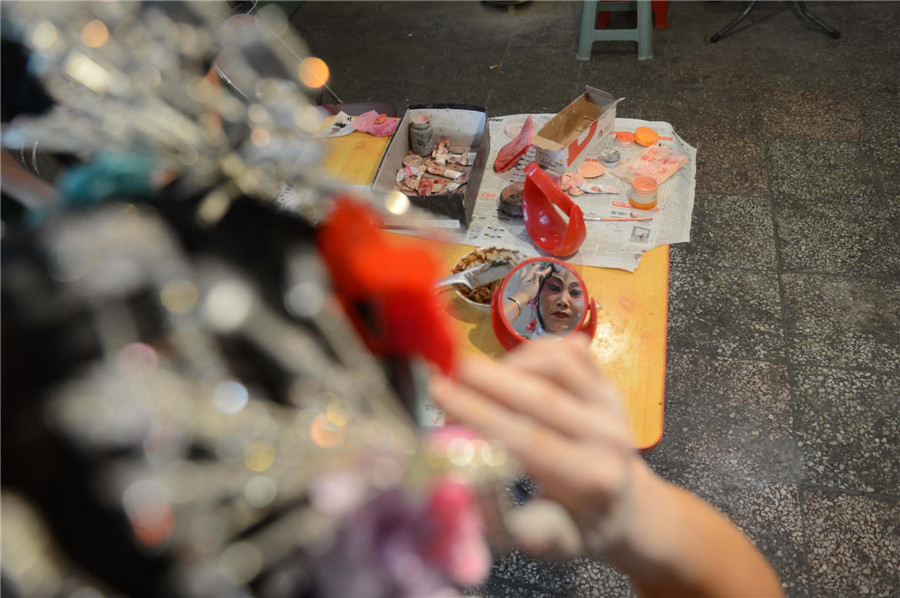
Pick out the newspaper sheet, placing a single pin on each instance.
(608, 244)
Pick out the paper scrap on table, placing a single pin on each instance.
(367, 124)
(599, 188)
(341, 124)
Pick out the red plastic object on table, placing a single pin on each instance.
(385, 287)
(545, 225)
(511, 152)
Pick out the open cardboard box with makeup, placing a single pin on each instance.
(465, 126)
(584, 125)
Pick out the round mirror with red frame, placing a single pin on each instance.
(541, 298)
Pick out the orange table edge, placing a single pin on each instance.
(630, 343)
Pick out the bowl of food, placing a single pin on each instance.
(480, 297)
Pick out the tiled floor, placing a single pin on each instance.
(783, 373)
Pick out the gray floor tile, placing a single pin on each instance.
(798, 114)
(725, 127)
(748, 31)
(642, 101)
(498, 589)
(711, 67)
(825, 69)
(551, 92)
(832, 173)
(596, 579)
(885, 156)
(840, 239)
(581, 578)
(727, 164)
(688, 59)
(841, 322)
(881, 113)
(536, 23)
(789, 53)
(551, 577)
(729, 416)
(725, 313)
(711, 112)
(863, 24)
(876, 63)
(854, 544)
(729, 231)
(688, 22)
(847, 425)
(624, 76)
(772, 26)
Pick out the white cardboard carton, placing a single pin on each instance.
(584, 125)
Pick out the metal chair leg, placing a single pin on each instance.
(645, 30)
(734, 22)
(586, 37)
(801, 7)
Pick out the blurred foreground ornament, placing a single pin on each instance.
(245, 489)
(215, 429)
(385, 287)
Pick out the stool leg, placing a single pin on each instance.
(734, 22)
(586, 39)
(645, 30)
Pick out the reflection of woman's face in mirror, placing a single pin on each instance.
(543, 298)
(560, 302)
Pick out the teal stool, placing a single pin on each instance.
(590, 34)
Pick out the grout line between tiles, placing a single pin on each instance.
(892, 498)
(789, 367)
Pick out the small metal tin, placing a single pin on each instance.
(609, 157)
(511, 199)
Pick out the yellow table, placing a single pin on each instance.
(630, 343)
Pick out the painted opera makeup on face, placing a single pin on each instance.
(561, 302)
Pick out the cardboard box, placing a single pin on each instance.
(584, 125)
(462, 124)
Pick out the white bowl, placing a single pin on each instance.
(481, 256)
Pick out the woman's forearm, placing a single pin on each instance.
(678, 545)
(514, 304)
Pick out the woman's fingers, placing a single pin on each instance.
(529, 274)
(574, 347)
(545, 529)
(489, 418)
(555, 461)
(550, 401)
(570, 364)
